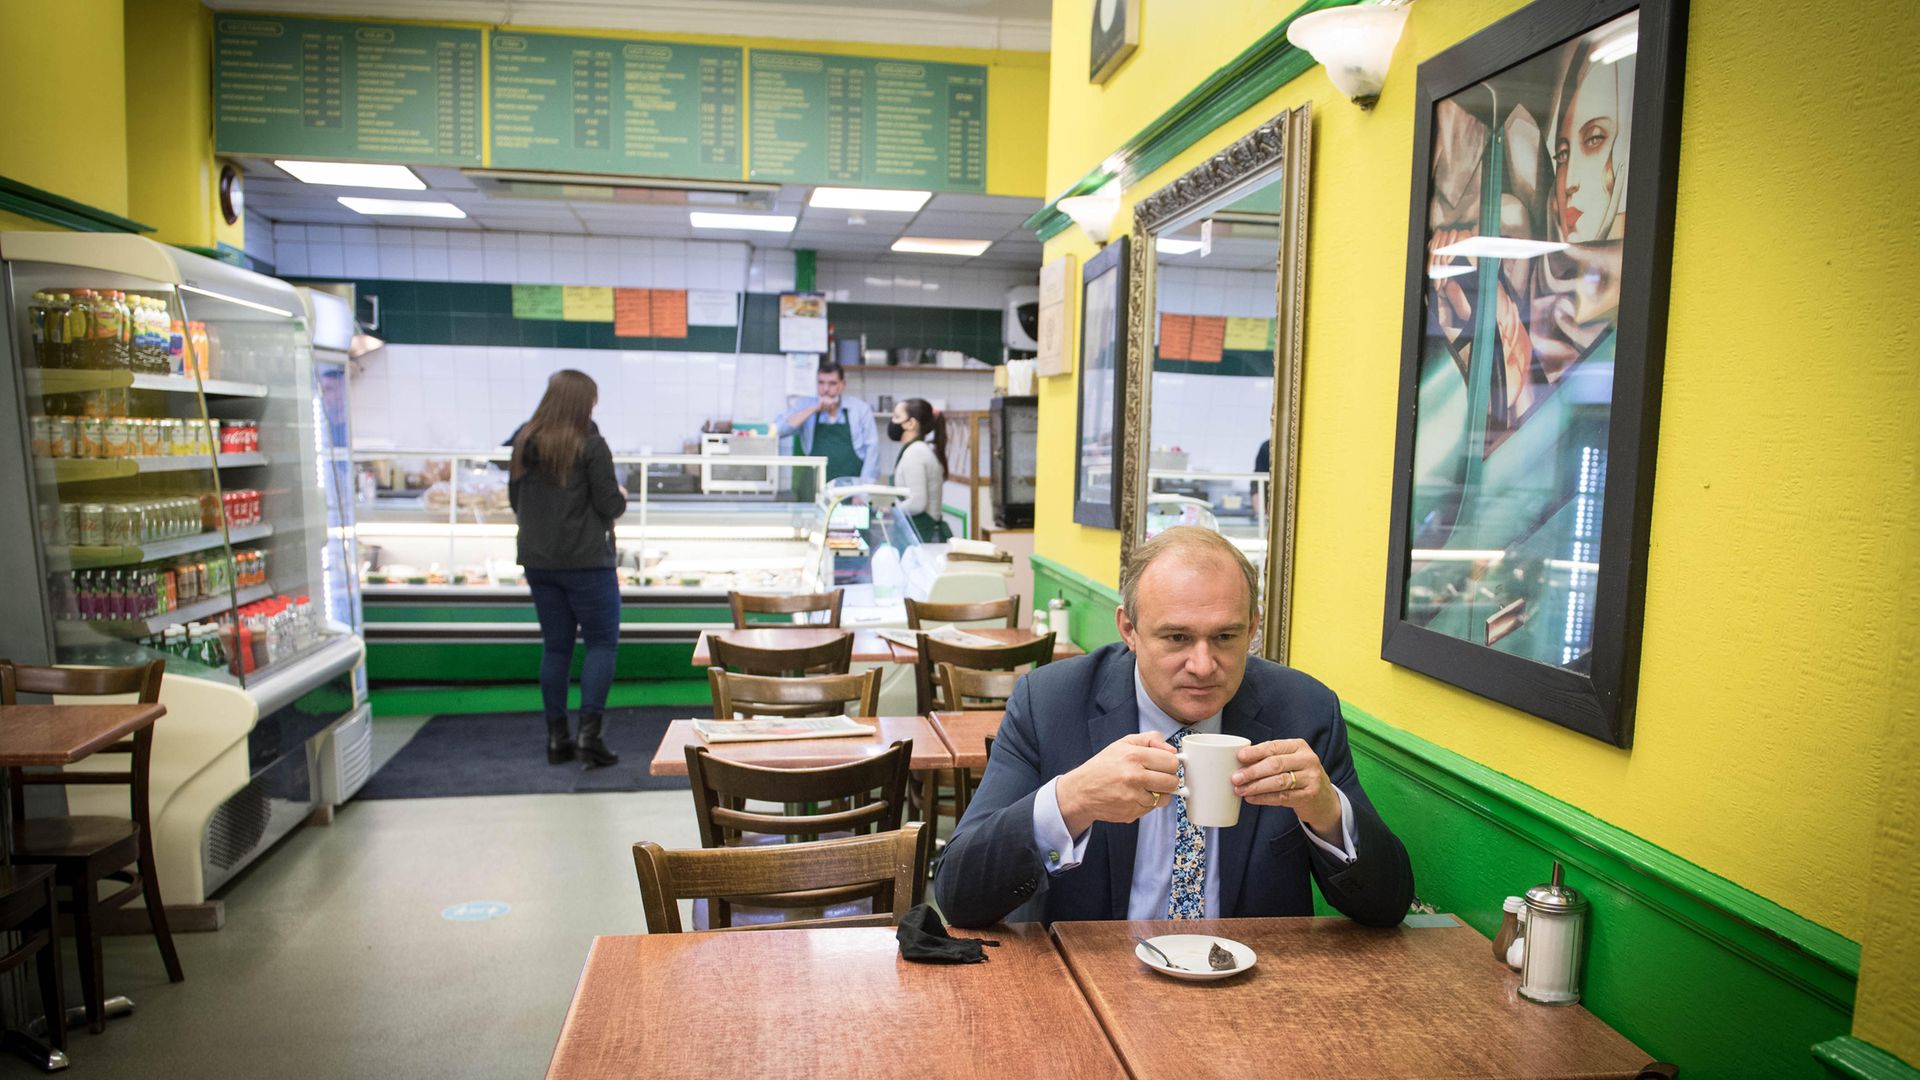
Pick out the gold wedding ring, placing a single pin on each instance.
(1155, 796)
(1289, 779)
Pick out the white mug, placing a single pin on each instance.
(1211, 761)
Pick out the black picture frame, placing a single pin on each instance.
(1103, 350)
(1592, 692)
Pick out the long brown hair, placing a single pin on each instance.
(933, 427)
(558, 431)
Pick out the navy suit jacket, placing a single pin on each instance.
(1062, 714)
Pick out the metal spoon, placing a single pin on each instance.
(1164, 962)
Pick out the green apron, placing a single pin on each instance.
(835, 443)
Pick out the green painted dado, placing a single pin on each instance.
(523, 612)
(419, 663)
(1855, 1059)
(1089, 604)
(525, 697)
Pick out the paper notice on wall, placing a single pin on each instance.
(1249, 335)
(1056, 316)
(706, 307)
(801, 369)
(669, 313)
(1176, 336)
(632, 313)
(586, 303)
(538, 302)
(1209, 334)
(803, 322)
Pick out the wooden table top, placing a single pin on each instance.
(868, 647)
(1331, 998)
(64, 734)
(825, 1003)
(929, 749)
(966, 735)
(1062, 648)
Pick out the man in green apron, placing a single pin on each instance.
(837, 428)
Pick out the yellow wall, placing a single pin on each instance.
(1786, 492)
(173, 184)
(1887, 1013)
(62, 124)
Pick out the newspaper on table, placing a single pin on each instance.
(769, 729)
(952, 635)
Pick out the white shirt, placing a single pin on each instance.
(1154, 841)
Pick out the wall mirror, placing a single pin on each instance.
(1212, 387)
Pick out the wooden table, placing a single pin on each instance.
(1331, 998)
(868, 647)
(966, 734)
(63, 734)
(929, 750)
(1000, 635)
(826, 1003)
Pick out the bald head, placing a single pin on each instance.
(1193, 547)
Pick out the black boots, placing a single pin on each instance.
(591, 751)
(559, 742)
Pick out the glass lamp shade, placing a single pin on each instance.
(1093, 213)
(1355, 45)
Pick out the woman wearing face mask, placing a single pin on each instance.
(922, 468)
(564, 494)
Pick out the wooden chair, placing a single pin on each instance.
(990, 658)
(832, 658)
(858, 798)
(971, 688)
(85, 851)
(919, 612)
(897, 858)
(745, 604)
(811, 695)
(30, 907)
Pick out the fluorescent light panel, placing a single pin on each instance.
(707, 219)
(1499, 247)
(402, 207)
(1169, 246)
(930, 245)
(353, 174)
(883, 199)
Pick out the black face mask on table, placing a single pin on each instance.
(895, 431)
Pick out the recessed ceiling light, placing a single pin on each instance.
(1499, 247)
(1168, 246)
(353, 174)
(928, 245)
(892, 201)
(706, 219)
(402, 207)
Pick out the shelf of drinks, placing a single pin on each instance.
(297, 653)
(85, 631)
(79, 557)
(74, 381)
(79, 470)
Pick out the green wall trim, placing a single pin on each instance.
(1068, 576)
(444, 700)
(1861, 1060)
(41, 205)
(1089, 603)
(1241, 83)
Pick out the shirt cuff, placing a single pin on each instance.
(1057, 847)
(1346, 830)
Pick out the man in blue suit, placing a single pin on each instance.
(1075, 817)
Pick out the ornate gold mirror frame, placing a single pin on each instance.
(1282, 146)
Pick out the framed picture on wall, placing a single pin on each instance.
(1535, 318)
(1116, 33)
(1100, 450)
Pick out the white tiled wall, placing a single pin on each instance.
(1186, 290)
(951, 284)
(1219, 420)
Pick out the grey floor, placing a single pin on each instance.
(335, 960)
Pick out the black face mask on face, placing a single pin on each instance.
(895, 431)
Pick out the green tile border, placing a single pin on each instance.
(1857, 1059)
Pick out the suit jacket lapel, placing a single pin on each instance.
(1117, 716)
(1241, 717)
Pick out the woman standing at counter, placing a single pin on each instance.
(563, 491)
(922, 468)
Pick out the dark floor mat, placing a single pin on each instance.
(506, 754)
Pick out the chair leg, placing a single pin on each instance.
(88, 947)
(157, 913)
(52, 997)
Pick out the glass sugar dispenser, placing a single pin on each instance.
(1556, 924)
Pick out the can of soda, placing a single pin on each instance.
(60, 436)
(153, 438)
(93, 524)
(90, 437)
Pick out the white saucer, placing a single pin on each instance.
(1190, 952)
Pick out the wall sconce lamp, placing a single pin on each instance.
(1094, 212)
(1354, 43)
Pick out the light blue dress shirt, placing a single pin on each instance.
(858, 416)
(1153, 844)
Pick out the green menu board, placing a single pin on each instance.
(362, 91)
(608, 105)
(869, 122)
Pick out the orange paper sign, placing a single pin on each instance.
(1176, 336)
(633, 313)
(1209, 335)
(669, 313)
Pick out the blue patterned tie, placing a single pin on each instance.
(1188, 897)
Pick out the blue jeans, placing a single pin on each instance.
(566, 601)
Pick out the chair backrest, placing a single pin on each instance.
(970, 688)
(141, 680)
(807, 695)
(830, 658)
(869, 796)
(920, 612)
(895, 858)
(933, 652)
(745, 604)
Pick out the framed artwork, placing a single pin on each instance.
(1538, 256)
(1116, 33)
(1100, 452)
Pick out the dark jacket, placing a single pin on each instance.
(571, 527)
(1064, 713)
